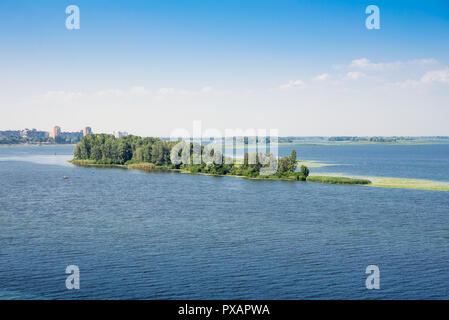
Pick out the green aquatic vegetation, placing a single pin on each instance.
(389, 182)
(337, 180)
(420, 184)
(142, 166)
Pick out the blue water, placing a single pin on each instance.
(402, 161)
(138, 235)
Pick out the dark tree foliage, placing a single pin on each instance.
(304, 171)
(292, 165)
(106, 149)
(17, 139)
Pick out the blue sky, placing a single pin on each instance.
(248, 64)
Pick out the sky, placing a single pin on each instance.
(306, 68)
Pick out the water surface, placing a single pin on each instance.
(136, 235)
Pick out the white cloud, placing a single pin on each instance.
(322, 77)
(407, 84)
(362, 63)
(136, 91)
(109, 92)
(441, 76)
(139, 91)
(354, 75)
(184, 92)
(291, 84)
(166, 91)
(423, 61)
(436, 76)
(61, 95)
(206, 89)
(173, 91)
(367, 64)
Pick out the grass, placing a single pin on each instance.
(84, 162)
(142, 166)
(337, 180)
(133, 166)
(420, 184)
(402, 183)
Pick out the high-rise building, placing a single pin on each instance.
(87, 130)
(119, 134)
(33, 133)
(55, 132)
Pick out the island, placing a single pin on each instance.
(155, 154)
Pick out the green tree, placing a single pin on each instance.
(245, 160)
(157, 153)
(124, 151)
(82, 150)
(76, 152)
(292, 164)
(284, 164)
(138, 155)
(96, 153)
(304, 171)
(110, 149)
(147, 152)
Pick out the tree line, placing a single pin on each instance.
(107, 150)
(17, 139)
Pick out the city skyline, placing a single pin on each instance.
(305, 68)
(118, 134)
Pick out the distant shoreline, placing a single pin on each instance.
(35, 144)
(360, 143)
(324, 144)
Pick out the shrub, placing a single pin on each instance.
(142, 166)
(300, 177)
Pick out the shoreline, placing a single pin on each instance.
(326, 178)
(149, 167)
(357, 143)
